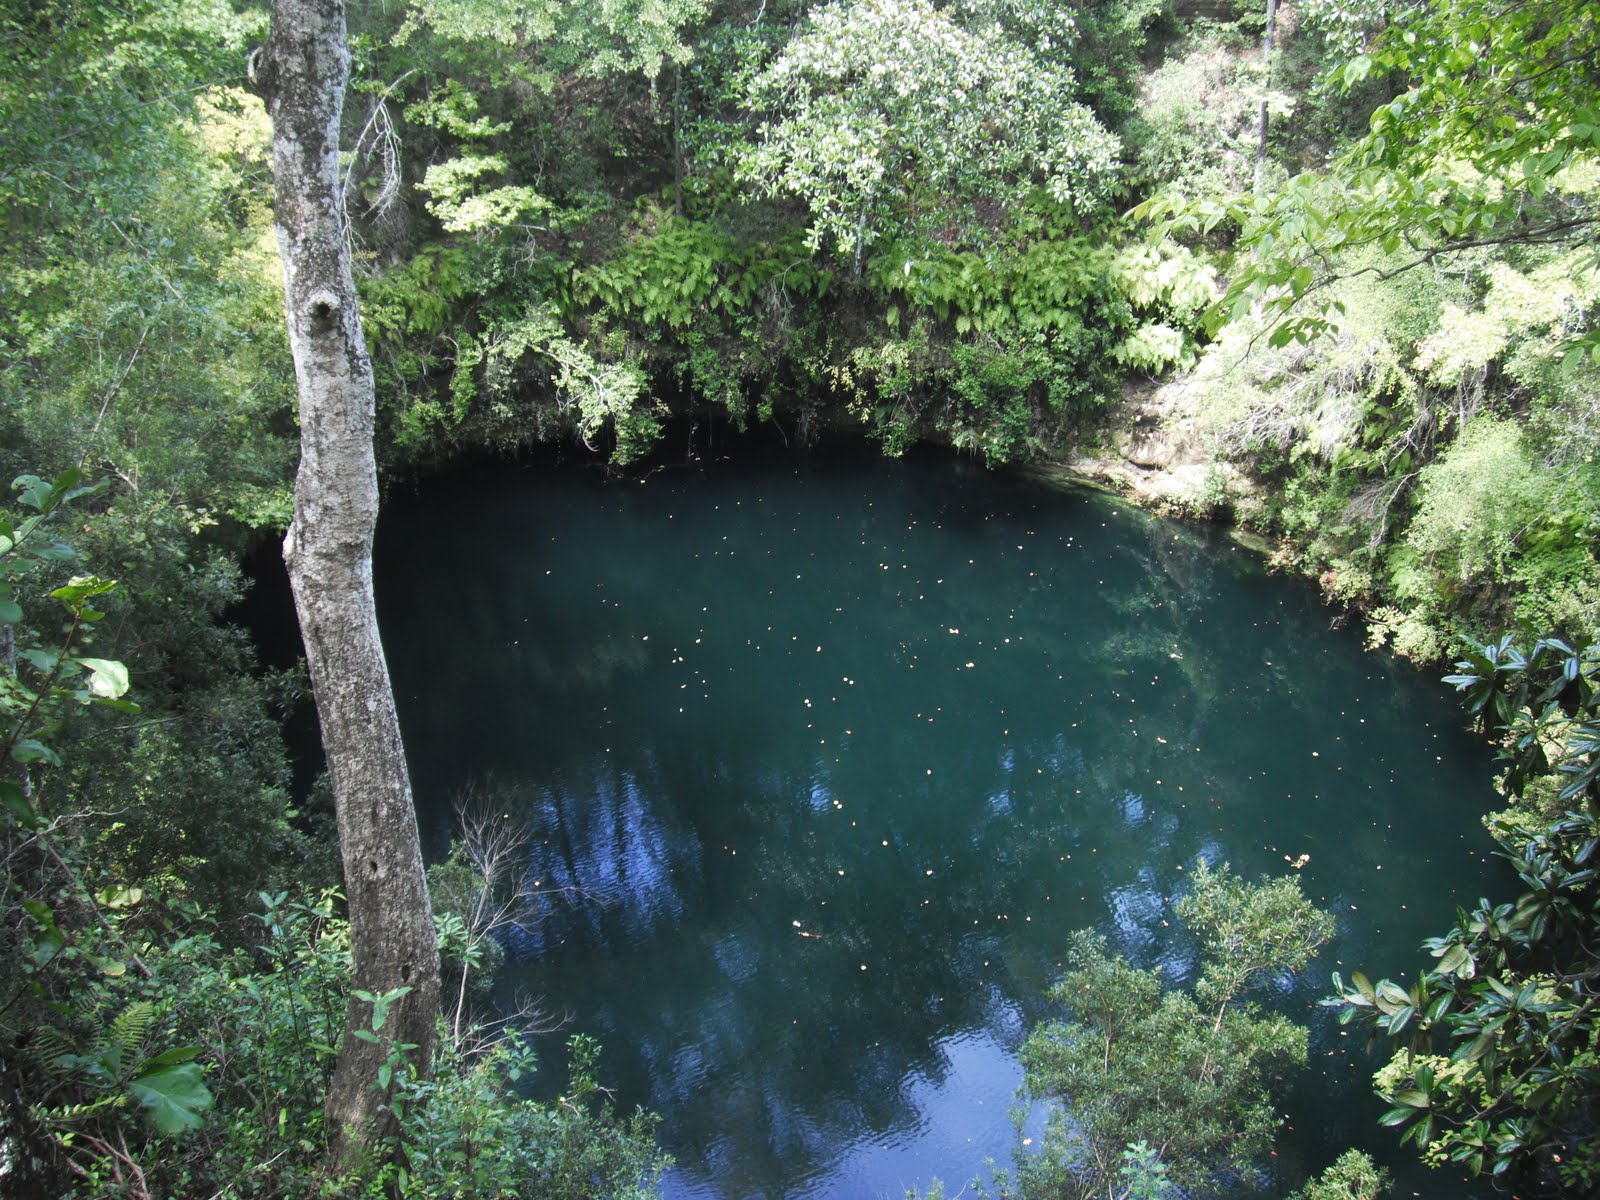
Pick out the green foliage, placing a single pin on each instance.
(464, 207)
(140, 290)
(1037, 285)
(1101, 43)
(468, 1133)
(652, 271)
(592, 395)
(1008, 350)
(623, 36)
(87, 1017)
(879, 103)
(236, 1105)
(135, 285)
(1433, 455)
(602, 225)
(1352, 1176)
(1249, 931)
(113, 1066)
(38, 678)
(1488, 498)
(468, 293)
(1147, 1085)
(1345, 25)
(1006, 385)
(1496, 1066)
(698, 299)
(887, 384)
(1492, 139)
(674, 272)
(248, 1025)
(1144, 1175)
(1193, 133)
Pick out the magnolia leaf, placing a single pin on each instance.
(1392, 993)
(1457, 960)
(1365, 994)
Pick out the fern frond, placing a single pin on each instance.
(128, 1030)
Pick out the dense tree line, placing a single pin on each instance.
(1364, 264)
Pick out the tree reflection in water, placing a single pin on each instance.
(839, 753)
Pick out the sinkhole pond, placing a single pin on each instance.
(828, 757)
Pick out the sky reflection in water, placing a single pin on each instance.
(839, 752)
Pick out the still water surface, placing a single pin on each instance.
(838, 751)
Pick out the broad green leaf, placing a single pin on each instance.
(108, 679)
(31, 750)
(1357, 69)
(1364, 986)
(178, 1054)
(15, 802)
(42, 660)
(1392, 993)
(35, 492)
(1457, 960)
(175, 1096)
(78, 590)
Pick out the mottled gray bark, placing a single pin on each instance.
(301, 72)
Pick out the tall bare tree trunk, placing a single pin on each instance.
(302, 72)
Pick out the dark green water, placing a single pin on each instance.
(839, 751)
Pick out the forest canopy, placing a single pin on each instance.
(1338, 262)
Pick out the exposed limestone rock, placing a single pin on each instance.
(1155, 456)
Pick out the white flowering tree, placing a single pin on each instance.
(882, 109)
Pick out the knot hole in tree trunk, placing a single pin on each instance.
(324, 308)
(260, 73)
